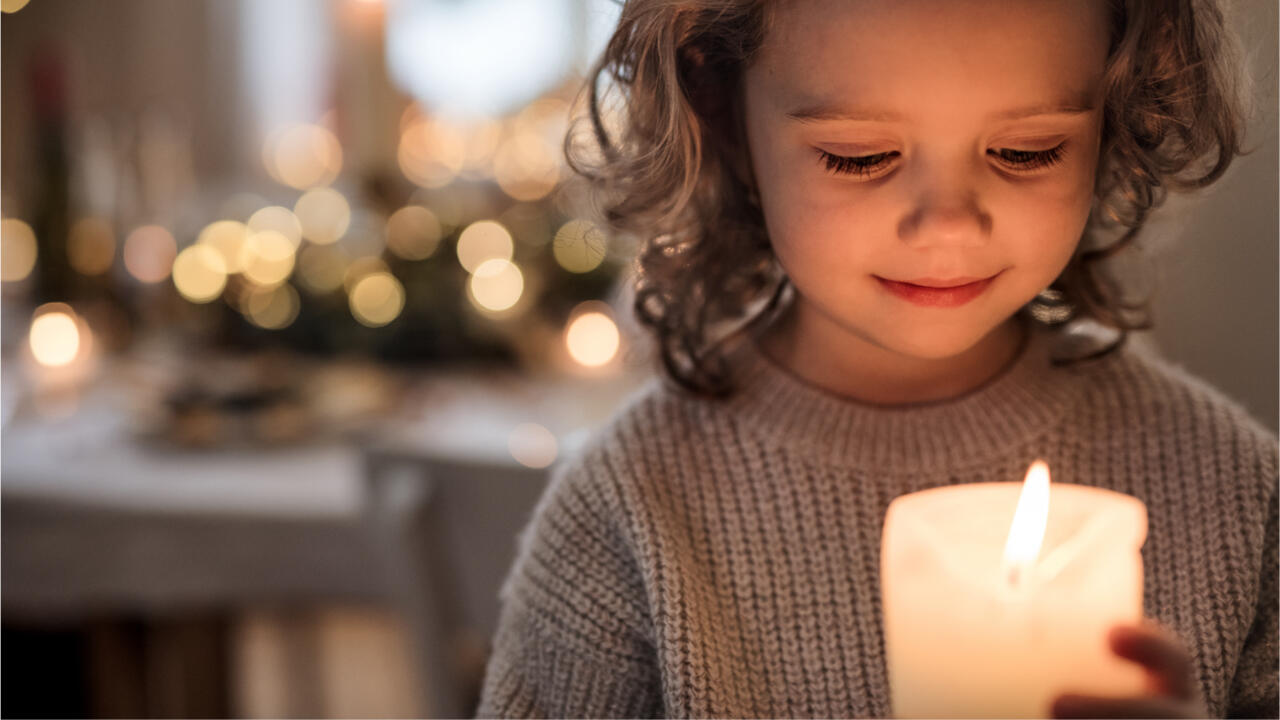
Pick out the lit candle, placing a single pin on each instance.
(984, 617)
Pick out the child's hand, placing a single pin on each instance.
(1173, 690)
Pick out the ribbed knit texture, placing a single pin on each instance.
(709, 558)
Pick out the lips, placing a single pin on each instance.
(942, 284)
(938, 293)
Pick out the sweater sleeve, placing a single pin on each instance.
(571, 639)
(1255, 689)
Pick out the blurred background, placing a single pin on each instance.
(300, 303)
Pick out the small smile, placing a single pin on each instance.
(938, 293)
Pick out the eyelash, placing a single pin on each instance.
(1023, 160)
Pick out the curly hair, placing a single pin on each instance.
(668, 165)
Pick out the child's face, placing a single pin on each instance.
(963, 190)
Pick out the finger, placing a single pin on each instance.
(1089, 706)
(1162, 653)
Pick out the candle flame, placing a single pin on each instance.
(1026, 533)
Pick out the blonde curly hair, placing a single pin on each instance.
(668, 165)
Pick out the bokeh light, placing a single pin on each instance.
(228, 238)
(267, 258)
(149, 252)
(431, 152)
(54, 335)
(413, 232)
(323, 214)
(303, 156)
(91, 246)
(17, 250)
(483, 241)
(278, 219)
(579, 246)
(272, 308)
(200, 273)
(360, 267)
(321, 268)
(376, 299)
(532, 445)
(482, 138)
(592, 338)
(496, 285)
(526, 167)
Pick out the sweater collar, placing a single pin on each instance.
(1026, 400)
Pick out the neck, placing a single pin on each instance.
(853, 367)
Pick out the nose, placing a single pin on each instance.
(946, 213)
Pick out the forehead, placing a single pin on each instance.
(914, 57)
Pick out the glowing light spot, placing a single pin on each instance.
(532, 445)
(526, 167)
(272, 308)
(54, 335)
(324, 215)
(376, 299)
(200, 273)
(228, 238)
(267, 258)
(548, 117)
(483, 241)
(13, 6)
(579, 246)
(496, 285)
(413, 232)
(481, 142)
(321, 268)
(277, 219)
(17, 250)
(91, 246)
(592, 339)
(431, 153)
(360, 267)
(149, 252)
(303, 156)
(412, 115)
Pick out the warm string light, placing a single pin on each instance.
(325, 244)
(591, 336)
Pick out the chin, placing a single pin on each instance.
(931, 342)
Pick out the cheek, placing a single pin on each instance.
(1043, 224)
(820, 223)
(819, 233)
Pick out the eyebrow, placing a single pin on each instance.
(825, 112)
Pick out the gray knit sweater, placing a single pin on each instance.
(704, 558)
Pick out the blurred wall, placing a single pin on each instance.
(125, 63)
(1216, 301)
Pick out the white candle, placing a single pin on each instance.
(997, 600)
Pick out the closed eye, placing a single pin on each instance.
(1017, 160)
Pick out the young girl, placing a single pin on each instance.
(867, 224)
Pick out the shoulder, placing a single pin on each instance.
(649, 431)
(657, 437)
(1138, 395)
